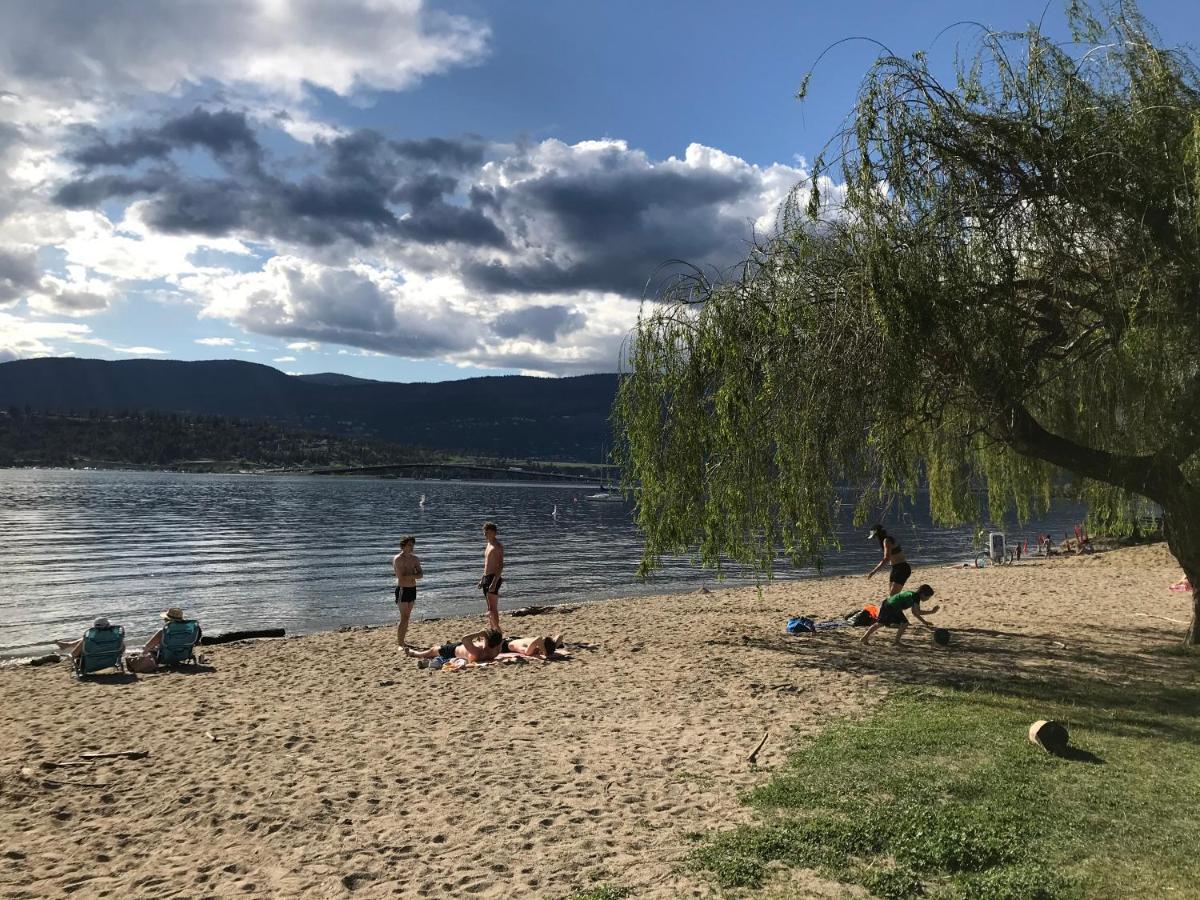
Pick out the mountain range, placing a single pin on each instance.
(501, 416)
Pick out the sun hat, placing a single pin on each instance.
(101, 623)
(174, 613)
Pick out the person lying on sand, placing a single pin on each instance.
(481, 646)
(539, 647)
(891, 612)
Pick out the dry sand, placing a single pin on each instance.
(341, 770)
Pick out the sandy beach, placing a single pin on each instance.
(335, 768)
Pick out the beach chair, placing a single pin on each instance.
(103, 648)
(179, 641)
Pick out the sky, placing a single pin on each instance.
(407, 190)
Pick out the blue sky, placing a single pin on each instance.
(410, 191)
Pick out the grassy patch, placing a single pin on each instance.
(940, 794)
(604, 892)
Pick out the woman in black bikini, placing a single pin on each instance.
(893, 555)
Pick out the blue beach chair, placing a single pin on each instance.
(103, 648)
(179, 640)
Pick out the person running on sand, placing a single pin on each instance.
(893, 555)
(891, 612)
(480, 646)
(540, 647)
(493, 565)
(407, 567)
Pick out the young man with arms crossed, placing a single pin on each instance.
(493, 565)
(408, 569)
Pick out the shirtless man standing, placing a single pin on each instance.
(408, 569)
(493, 565)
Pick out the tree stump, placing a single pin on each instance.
(1051, 736)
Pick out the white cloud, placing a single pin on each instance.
(21, 338)
(216, 341)
(71, 49)
(299, 346)
(283, 359)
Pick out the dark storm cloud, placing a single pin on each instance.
(546, 218)
(91, 192)
(359, 193)
(19, 274)
(543, 323)
(225, 134)
(614, 225)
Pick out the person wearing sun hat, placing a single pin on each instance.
(146, 660)
(75, 647)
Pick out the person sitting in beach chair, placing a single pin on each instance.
(539, 647)
(478, 647)
(172, 644)
(101, 647)
(891, 612)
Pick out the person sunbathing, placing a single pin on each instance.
(539, 647)
(75, 648)
(481, 646)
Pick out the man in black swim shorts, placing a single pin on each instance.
(407, 568)
(493, 565)
(481, 646)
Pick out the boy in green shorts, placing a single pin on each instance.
(891, 612)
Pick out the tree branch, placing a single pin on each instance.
(1142, 475)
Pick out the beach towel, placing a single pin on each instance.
(459, 665)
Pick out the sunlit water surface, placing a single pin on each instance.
(311, 553)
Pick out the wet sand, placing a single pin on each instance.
(336, 768)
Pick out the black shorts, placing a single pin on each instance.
(490, 584)
(901, 572)
(889, 615)
(406, 594)
(446, 651)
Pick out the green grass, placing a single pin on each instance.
(604, 892)
(940, 794)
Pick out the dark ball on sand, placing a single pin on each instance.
(941, 636)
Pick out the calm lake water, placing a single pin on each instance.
(310, 553)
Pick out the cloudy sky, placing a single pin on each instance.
(406, 190)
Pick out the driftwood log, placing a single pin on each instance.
(230, 636)
(540, 610)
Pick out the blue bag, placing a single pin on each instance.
(801, 625)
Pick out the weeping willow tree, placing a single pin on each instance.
(998, 288)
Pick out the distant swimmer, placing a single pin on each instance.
(407, 567)
(893, 555)
(421, 503)
(490, 581)
(554, 512)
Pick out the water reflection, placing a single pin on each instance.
(314, 553)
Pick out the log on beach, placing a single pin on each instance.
(230, 636)
(540, 610)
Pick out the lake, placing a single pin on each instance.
(314, 553)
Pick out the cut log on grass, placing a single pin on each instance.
(230, 636)
(1051, 736)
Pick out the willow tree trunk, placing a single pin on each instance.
(1181, 523)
